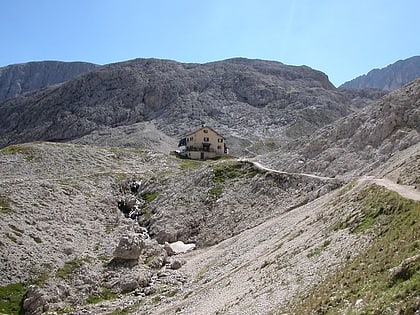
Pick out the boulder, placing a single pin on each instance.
(34, 302)
(155, 255)
(129, 247)
(177, 263)
(404, 270)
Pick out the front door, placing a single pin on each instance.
(202, 156)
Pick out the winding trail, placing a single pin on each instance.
(403, 190)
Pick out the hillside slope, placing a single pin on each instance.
(391, 77)
(265, 239)
(359, 143)
(21, 78)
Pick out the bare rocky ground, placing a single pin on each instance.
(263, 237)
(87, 229)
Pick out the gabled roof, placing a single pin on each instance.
(205, 127)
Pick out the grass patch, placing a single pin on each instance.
(215, 191)
(378, 205)
(105, 295)
(395, 222)
(70, 267)
(18, 149)
(11, 295)
(149, 196)
(233, 169)
(317, 251)
(10, 298)
(187, 164)
(5, 207)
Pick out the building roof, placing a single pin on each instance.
(205, 127)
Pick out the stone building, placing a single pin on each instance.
(203, 144)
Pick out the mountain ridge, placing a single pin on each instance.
(21, 78)
(388, 78)
(233, 96)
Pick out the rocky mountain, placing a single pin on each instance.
(18, 79)
(84, 231)
(359, 142)
(246, 100)
(323, 219)
(391, 77)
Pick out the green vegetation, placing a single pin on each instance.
(233, 169)
(119, 177)
(5, 207)
(317, 251)
(104, 295)
(18, 149)
(215, 191)
(200, 275)
(367, 278)
(10, 297)
(149, 196)
(187, 164)
(69, 267)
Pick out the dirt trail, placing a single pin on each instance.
(403, 190)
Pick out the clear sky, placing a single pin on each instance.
(343, 38)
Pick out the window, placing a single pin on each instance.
(191, 138)
(206, 139)
(219, 147)
(219, 140)
(205, 131)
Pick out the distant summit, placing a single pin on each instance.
(389, 78)
(26, 77)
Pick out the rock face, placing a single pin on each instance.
(18, 79)
(391, 77)
(241, 98)
(34, 302)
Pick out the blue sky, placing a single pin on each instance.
(344, 39)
